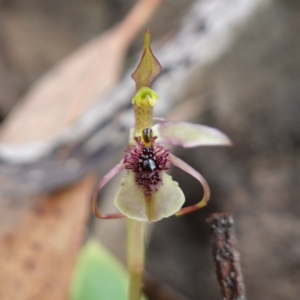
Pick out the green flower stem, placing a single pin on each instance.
(136, 229)
(143, 119)
(135, 256)
(143, 103)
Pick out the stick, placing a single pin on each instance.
(226, 256)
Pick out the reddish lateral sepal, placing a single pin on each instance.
(206, 190)
(111, 174)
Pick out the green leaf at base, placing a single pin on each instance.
(98, 275)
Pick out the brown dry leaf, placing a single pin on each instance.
(60, 97)
(37, 253)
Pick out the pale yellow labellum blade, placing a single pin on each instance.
(164, 202)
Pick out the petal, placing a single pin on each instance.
(112, 173)
(188, 169)
(164, 202)
(189, 135)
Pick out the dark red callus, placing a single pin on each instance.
(147, 162)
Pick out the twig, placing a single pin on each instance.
(226, 256)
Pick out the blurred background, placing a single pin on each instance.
(234, 66)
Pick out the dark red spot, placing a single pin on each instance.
(147, 163)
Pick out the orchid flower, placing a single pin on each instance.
(147, 193)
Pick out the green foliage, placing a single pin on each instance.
(98, 275)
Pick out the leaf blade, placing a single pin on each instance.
(98, 275)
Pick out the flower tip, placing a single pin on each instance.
(225, 141)
(229, 143)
